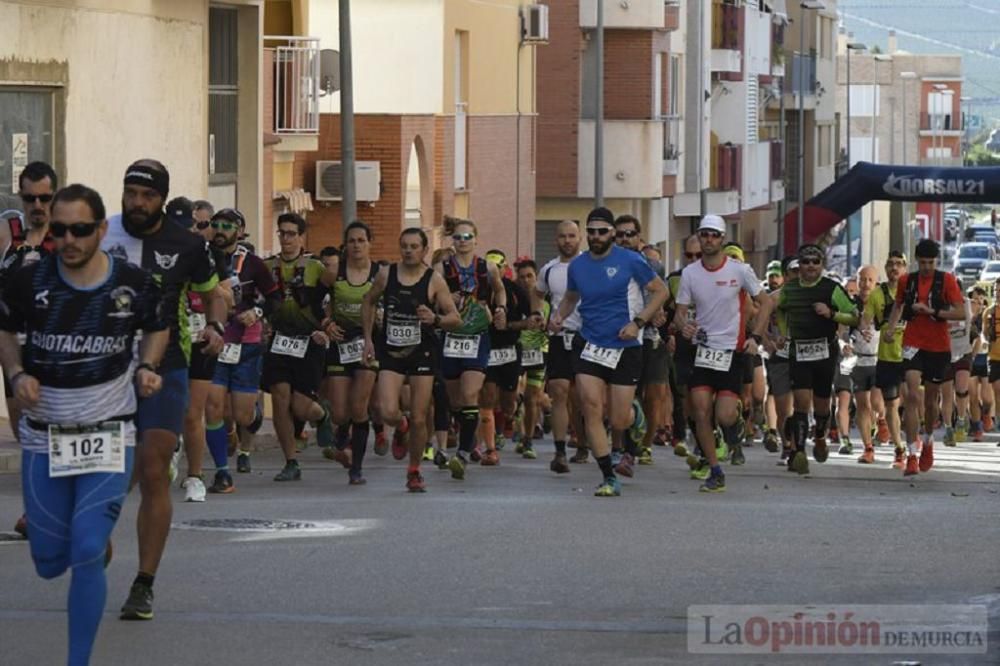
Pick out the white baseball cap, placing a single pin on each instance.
(713, 223)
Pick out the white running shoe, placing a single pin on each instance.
(194, 489)
(173, 465)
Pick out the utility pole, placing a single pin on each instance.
(349, 204)
(599, 111)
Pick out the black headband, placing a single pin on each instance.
(148, 177)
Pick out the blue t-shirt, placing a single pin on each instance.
(610, 291)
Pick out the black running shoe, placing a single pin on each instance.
(139, 605)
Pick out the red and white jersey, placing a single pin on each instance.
(717, 296)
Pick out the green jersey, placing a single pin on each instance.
(301, 309)
(346, 299)
(537, 339)
(879, 307)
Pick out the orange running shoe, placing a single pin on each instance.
(927, 457)
(490, 458)
(898, 461)
(883, 431)
(868, 457)
(912, 468)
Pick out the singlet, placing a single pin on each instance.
(473, 285)
(797, 300)
(402, 332)
(252, 280)
(79, 343)
(346, 299)
(537, 339)
(301, 291)
(518, 309)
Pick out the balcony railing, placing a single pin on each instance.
(727, 26)
(939, 122)
(727, 167)
(802, 77)
(777, 151)
(296, 85)
(671, 137)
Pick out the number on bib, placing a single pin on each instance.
(402, 335)
(713, 359)
(531, 358)
(461, 346)
(197, 323)
(351, 352)
(75, 450)
(601, 355)
(502, 356)
(909, 353)
(230, 354)
(817, 349)
(295, 347)
(568, 341)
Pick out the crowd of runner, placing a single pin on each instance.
(134, 341)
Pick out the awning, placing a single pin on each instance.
(779, 9)
(299, 201)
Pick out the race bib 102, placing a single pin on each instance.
(75, 450)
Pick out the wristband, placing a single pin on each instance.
(13, 378)
(260, 313)
(437, 320)
(144, 366)
(219, 327)
(639, 321)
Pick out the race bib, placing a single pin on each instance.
(909, 353)
(75, 450)
(295, 347)
(713, 359)
(461, 346)
(601, 355)
(230, 354)
(351, 352)
(502, 356)
(817, 349)
(847, 365)
(568, 341)
(402, 335)
(784, 350)
(197, 322)
(531, 358)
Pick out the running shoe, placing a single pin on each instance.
(625, 466)
(661, 437)
(868, 457)
(400, 442)
(820, 450)
(174, 458)
(912, 466)
(898, 461)
(558, 465)
(243, 463)
(721, 448)
(538, 433)
(415, 482)
(325, 435)
(21, 526)
(637, 431)
(694, 462)
(581, 456)
(962, 430)
(355, 479)
(771, 441)
(737, 458)
(701, 472)
(139, 605)
(223, 484)
(846, 448)
(528, 452)
(715, 483)
(342, 456)
(440, 460)
(977, 434)
(610, 488)
(429, 452)
(290, 472)
(258, 419)
(680, 450)
(381, 444)
(883, 431)
(194, 489)
(834, 434)
(800, 463)
(987, 423)
(476, 455)
(500, 440)
(949, 436)
(519, 449)
(490, 458)
(646, 455)
(927, 457)
(457, 467)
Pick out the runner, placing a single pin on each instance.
(351, 380)
(926, 300)
(534, 349)
(80, 312)
(295, 360)
(864, 349)
(237, 374)
(774, 424)
(481, 299)
(682, 355)
(979, 386)
(779, 371)
(180, 262)
(407, 349)
(813, 306)
(990, 393)
(715, 287)
(955, 390)
(606, 283)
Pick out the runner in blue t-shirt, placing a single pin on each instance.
(608, 284)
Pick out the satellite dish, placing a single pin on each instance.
(329, 71)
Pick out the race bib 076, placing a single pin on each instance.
(295, 347)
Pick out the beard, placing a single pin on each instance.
(221, 240)
(137, 219)
(598, 246)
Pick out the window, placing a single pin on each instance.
(865, 101)
(940, 153)
(674, 82)
(825, 40)
(223, 94)
(25, 133)
(658, 84)
(939, 111)
(824, 153)
(461, 86)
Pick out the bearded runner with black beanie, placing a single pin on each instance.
(179, 261)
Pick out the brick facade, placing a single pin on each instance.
(558, 88)
(628, 74)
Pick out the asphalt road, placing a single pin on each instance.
(517, 566)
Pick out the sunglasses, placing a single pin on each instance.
(202, 225)
(810, 262)
(708, 233)
(693, 255)
(463, 237)
(225, 226)
(78, 229)
(32, 198)
(631, 233)
(598, 231)
(287, 233)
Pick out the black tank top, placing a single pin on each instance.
(402, 330)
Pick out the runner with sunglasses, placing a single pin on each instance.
(481, 299)
(606, 283)
(238, 371)
(682, 356)
(779, 374)
(715, 286)
(813, 306)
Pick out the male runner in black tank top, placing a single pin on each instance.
(406, 340)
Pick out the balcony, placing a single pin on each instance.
(671, 144)
(801, 80)
(728, 25)
(296, 87)
(633, 159)
(725, 180)
(939, 124)
(635, 14)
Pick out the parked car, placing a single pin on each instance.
(990, 272)
(971, 259)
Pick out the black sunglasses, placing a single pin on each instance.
(202, 225)
(631, 233)
(708, 233)
(78, 229)
(32, 198)
(599, 231)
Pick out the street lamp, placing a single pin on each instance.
(877, 58)
(817, 5)
(966, 113)
(907, 229)
(851, 46)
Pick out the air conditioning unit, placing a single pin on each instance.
(329, 183)
(535, 24)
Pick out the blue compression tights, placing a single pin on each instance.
(69, 522)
